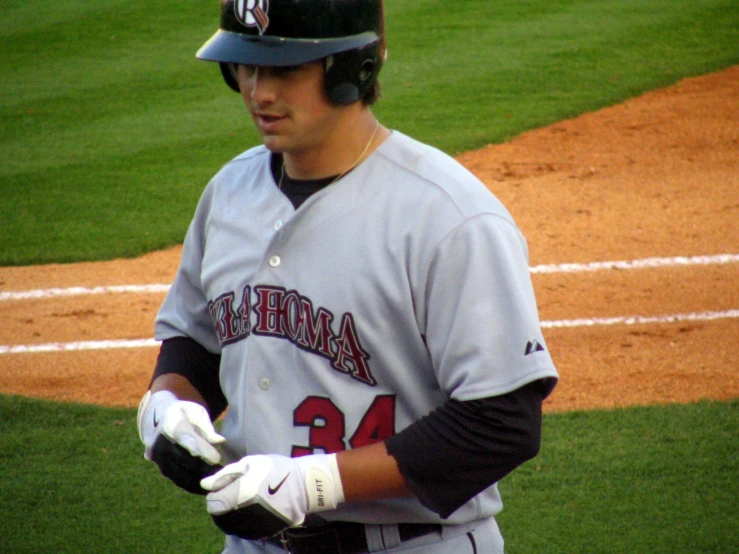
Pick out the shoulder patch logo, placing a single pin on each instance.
(533, 346)
(253, 13)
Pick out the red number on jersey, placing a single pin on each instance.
(377, 424)
(328, 428)
(326, 424)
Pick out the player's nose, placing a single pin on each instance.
(262, 87)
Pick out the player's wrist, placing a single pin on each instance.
(322, 482)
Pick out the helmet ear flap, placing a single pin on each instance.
(229, 71)
(351, 74)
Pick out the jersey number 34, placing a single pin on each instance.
(327, 424)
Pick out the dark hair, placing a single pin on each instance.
(372, 95)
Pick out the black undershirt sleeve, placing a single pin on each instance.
(186, 357)
(462, 448)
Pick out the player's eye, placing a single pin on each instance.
(248, 70)
(287, 69)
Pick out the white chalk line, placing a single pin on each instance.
(646, 263)
(595, 322)
(555, 268)
(80, 291)
(77, 346)
(559, 268)
(640, 319)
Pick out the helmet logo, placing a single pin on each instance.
(252, 13)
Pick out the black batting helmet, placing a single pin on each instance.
(349, 34)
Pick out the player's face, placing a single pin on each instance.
(288, 106)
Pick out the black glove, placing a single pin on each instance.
(181, 467)
(179, 438)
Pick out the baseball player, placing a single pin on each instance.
(356, 303)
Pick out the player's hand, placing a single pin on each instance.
(179, 438)
(260, 496)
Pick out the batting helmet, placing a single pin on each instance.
(349, 34)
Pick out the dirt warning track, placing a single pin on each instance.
(631, 214)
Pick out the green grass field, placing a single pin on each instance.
(110, 129)
(652, 480)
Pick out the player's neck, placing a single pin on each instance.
(350, 142)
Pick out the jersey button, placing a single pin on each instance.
(264, 383)
(274, 261)
(278, 225)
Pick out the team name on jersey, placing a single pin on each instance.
(289, 315)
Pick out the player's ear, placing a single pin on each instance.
(230, 75)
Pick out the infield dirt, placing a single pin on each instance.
(656, 176)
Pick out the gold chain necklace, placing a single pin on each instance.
(340, 175)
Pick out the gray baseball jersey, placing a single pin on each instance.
(400, 286)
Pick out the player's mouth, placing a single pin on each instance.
(268, 122)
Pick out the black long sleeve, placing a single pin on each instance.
(462, 448)
(184, 356)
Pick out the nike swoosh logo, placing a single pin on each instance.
(272, 491)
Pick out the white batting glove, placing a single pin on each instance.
(260, 496)
(180, 438)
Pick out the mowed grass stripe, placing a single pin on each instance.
(104, 105)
